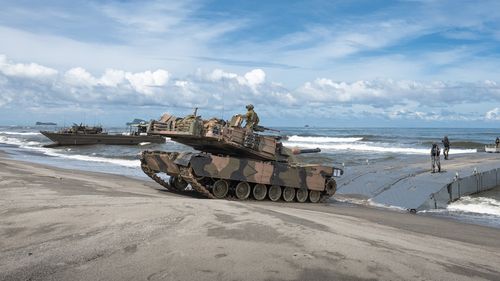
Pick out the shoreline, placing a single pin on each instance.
(68, 224)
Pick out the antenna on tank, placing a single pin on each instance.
(224, 85)
(195, 111)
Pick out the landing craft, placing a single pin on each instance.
(235, 161)
(85, 135)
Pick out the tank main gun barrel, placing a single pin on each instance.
(302, 151)
(259, 128)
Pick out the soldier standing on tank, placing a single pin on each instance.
(251, 117)
(446, 144)
(435, 151)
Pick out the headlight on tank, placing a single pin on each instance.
(337, 172)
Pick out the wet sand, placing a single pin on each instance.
(60, 224)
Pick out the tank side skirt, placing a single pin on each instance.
(255, 172)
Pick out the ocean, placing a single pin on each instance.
(339, 146)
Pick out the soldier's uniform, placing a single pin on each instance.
(251, 117)
(446, 150)
(436, 164)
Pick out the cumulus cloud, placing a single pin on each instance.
(79, 86)
(29, 70)
(79, 77)
(255, 77)
(143, 81)
(140, 82)
(387, 93)
(252, 78)
(219, 90)
(493, 114)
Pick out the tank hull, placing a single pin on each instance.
(232, 170)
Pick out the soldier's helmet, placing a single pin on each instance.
(250, 106)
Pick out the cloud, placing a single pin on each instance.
(140, 82)
(387, 92)
(114, 87)
(255, 77)
(220, 90)
(143, 81)
(493, 114)
(79, 77)
(29, 70)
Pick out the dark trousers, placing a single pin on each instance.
(436, 164)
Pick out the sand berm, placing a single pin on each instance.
(58, 224)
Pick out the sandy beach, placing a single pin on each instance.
(58, 224)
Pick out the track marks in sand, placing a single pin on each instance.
(248, 232)
(290, 219)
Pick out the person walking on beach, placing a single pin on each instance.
(446, 144)
(497, 142)
(436, 164)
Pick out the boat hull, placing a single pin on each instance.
(84, 139)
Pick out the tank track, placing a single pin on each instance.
(152, 174)
(186, 173)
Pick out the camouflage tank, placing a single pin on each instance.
(234, 162)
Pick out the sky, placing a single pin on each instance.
(335, 63)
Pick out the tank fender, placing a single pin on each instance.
(200, 162)
(183, 159)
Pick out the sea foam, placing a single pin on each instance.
(313, 139)
(480, 205)
(20, 133)
(369, 147)
(36, 146)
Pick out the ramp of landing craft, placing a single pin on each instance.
(409, 184)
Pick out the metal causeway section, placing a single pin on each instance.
(475, 183)
(408, 184)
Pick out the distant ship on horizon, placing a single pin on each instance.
(38, 123)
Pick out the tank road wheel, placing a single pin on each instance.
(302, 195)
(242, 190)
(275, 192)
(178, 183)
(331, 187)
(314, 196)
(220, 189)
(288, 194)
(259, 191)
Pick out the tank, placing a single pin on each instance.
(235, 162)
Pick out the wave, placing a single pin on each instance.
(116, 161)
(18, 142)
(459, 144)
(313, 139)
(36, 146)
(21, 133)
(370, 148)
(480, 205)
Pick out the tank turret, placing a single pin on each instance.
(235, 160)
